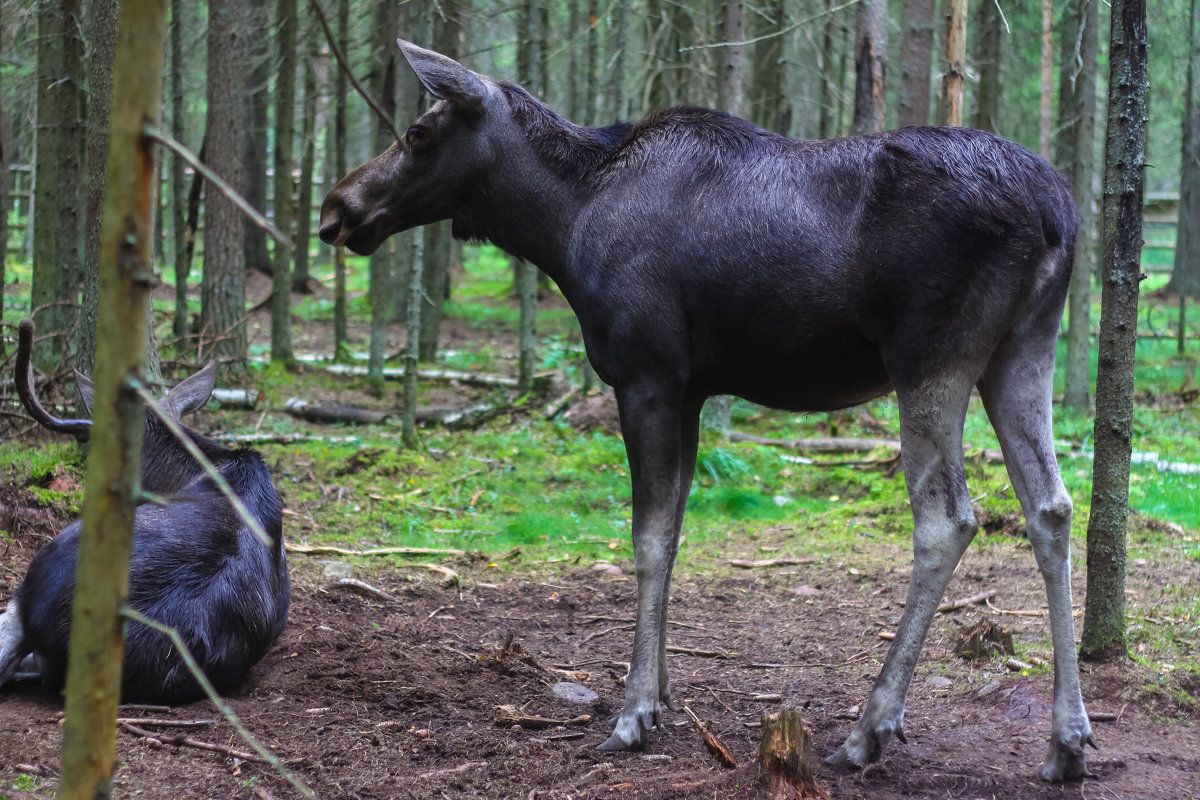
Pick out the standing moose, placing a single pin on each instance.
(704, 255)
(195, 565)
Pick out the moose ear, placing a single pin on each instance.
(86, 389)
(190, 394)
(445, 78)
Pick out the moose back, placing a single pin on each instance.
(704, 255)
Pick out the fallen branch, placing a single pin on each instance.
(824, 444)
(167, 723)
(688, 651)
(449, 576)
(512, 715)
(607, 631)
(711, 742)
(157, 740)
(967, 601)
(322, 550)
(362, 587)
(770, 562)
(431, 374)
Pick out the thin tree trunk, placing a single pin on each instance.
(179, 127)
(100, 30)
(4, 191)
(1047, 126)
(383, 87)
(954, 65)
(412, 345)
(830, 77)
(223, 291)
(57, 223)
(870, 66)
(1186, 277)
(573, 103)
(1103, 635)
(304, 215)
(340, 88)
(102, 577)
(916, 61)
(524, 273)
(768, 103)
(256, 33)
(1076, 146)
(731, 60)
(285, 111)
(591, 90)
(987, 96)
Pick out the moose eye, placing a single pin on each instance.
(416, 133)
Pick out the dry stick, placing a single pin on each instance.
(718, 750)
(341, 59)
(162, 137)
(377, 551)
(167, 723)
(180, 740)
(189, 445)
(223, 707)
(967, 601)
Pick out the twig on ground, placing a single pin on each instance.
(157, 740)
(770, 562)
(315, 550)
(688, 651)
(355, 585)
(967, 601)
(167, 723)
(712, 743)
(607, 631)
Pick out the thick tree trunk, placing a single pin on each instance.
(223, 291)
(987, 62)
(1047, 106)
(916, 61)
(114, 464)
(285, 110)
(1075, 156)
(56, 222)
(870, 66)
(256, 35)
(954, 66)
(1124, 161)
(1186, 278)
(100, 30)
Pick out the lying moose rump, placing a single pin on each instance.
(195, 565)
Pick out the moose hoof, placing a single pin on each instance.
(1066, 761)
(865, 745)
(631, 731)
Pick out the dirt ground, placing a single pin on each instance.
(372, 697)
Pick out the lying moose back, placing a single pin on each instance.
(704, 255)
(195, 565)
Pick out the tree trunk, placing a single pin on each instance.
(100, 30)
(114, 464)
(767, 108)
(285, 111)
(448, 35)
(256, 35)
(870, 66)
(340, 89)
(1186, 278)
(830, 76)
(731, 60)
(1075, 157)
(987, 96)
(954, 65)
(573, 103)
(56, 223)
(408, 423)
(916, 61)
(524, 273)
(3, 185)
(223, 292)
(308, 161)
(1047, 126)
(383, 87)
(1124, 160)
(179, 128)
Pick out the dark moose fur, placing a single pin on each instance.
(195, 566)
(704, 255)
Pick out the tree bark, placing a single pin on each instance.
(285, 111)
(57, 223)
(4, 190)
(1075, 156)
(340, 89)
(767, 107)
(1124, 161)
(179, 231)
(1047, 96)
(100, 30)
(1186, 277)
(114, 464)
(954, 65)
(256, 35)
(731, 60)
(830, 78)
(223, 291)
(916, 61)
(383, 87)
(785, 755)
(870, 66)
(987, 96)
(308, 161)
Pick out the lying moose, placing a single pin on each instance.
(195, 565)
(704, 255)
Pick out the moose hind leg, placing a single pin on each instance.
(1017, 395)
(652, 428)
(931, 423)
(13, 645)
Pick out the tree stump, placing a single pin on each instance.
(785, 755)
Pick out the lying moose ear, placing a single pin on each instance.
(445, 78)
(190, 394)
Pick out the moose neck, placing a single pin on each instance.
(529, 205)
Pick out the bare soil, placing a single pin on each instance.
(367, 697)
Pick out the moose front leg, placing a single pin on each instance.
(660, 439)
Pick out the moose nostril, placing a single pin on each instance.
(331, 226)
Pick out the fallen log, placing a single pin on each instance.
(346, 414)
(785, 755)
